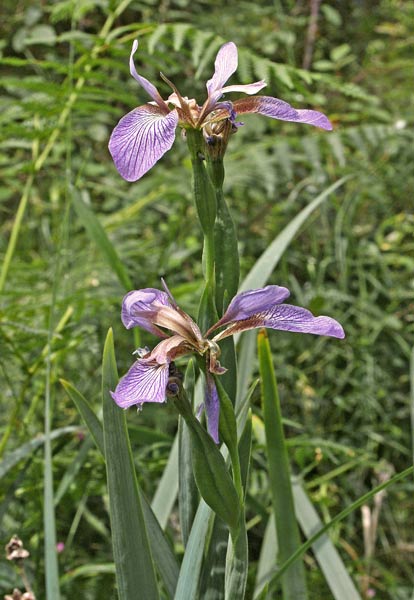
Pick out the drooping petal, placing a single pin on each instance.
(144, 83)
(278, 109)
(212, 408)
(169, 349)
(248, 88)
(248, 304)
(296, 318)
(147, 379)
(145, 382)
(140, 139)
(139, 308)
(224, 67)
(313, 117)
(287, 317)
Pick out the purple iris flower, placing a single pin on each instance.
(146, 133)
(157, 311)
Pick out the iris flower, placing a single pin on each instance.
(157, 312)
(146, 133)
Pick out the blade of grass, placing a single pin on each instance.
(73, 469)
(339, 517)
(40, 159)
(86, 412)
(259, 275)
(265, 265)
(134, 565)
(99, 236)
(412, 400)
(336, 575)
(13, 458)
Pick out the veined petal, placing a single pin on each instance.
(144, 83)
(248, 88)
(139, 308)
(145, 381)
(278, 109)
(140, 139)
(248, 304)
(224, 67)
(212, 408)
(313, 117)
(296, 318)
(287, 317)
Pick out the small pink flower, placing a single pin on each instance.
(60, 546)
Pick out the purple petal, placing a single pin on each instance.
(248, 88)
(145, 382)
(248, 304)
(278, 109)
(139, 308)
(225, 65)
(140, 139)
(287, 317)
(296, 318)
(313, 117)
(147, 85)
(212, 407)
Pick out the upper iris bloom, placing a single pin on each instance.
(146, 133)
(156, 311)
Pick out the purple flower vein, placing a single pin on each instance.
(146, 133)
(157, 312)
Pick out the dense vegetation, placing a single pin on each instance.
(65, 83)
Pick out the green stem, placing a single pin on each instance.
(227, 267)
(205, 201)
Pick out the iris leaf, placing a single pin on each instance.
(133, 561)
(165, 560)
(293, 581)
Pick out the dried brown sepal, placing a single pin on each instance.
(15, 550)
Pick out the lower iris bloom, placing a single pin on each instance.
(157, 312)
(146, 133)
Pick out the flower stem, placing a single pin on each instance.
(205, 201)
(227, 266)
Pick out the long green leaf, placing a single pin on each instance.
(188, 496)
(210, 470)
(190, 572)
(293, 582)
(165, 560)
(133, 561)
(164, 498)
(264, 266)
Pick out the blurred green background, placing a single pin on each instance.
(64, 84)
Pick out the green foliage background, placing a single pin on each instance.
(64, 84)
